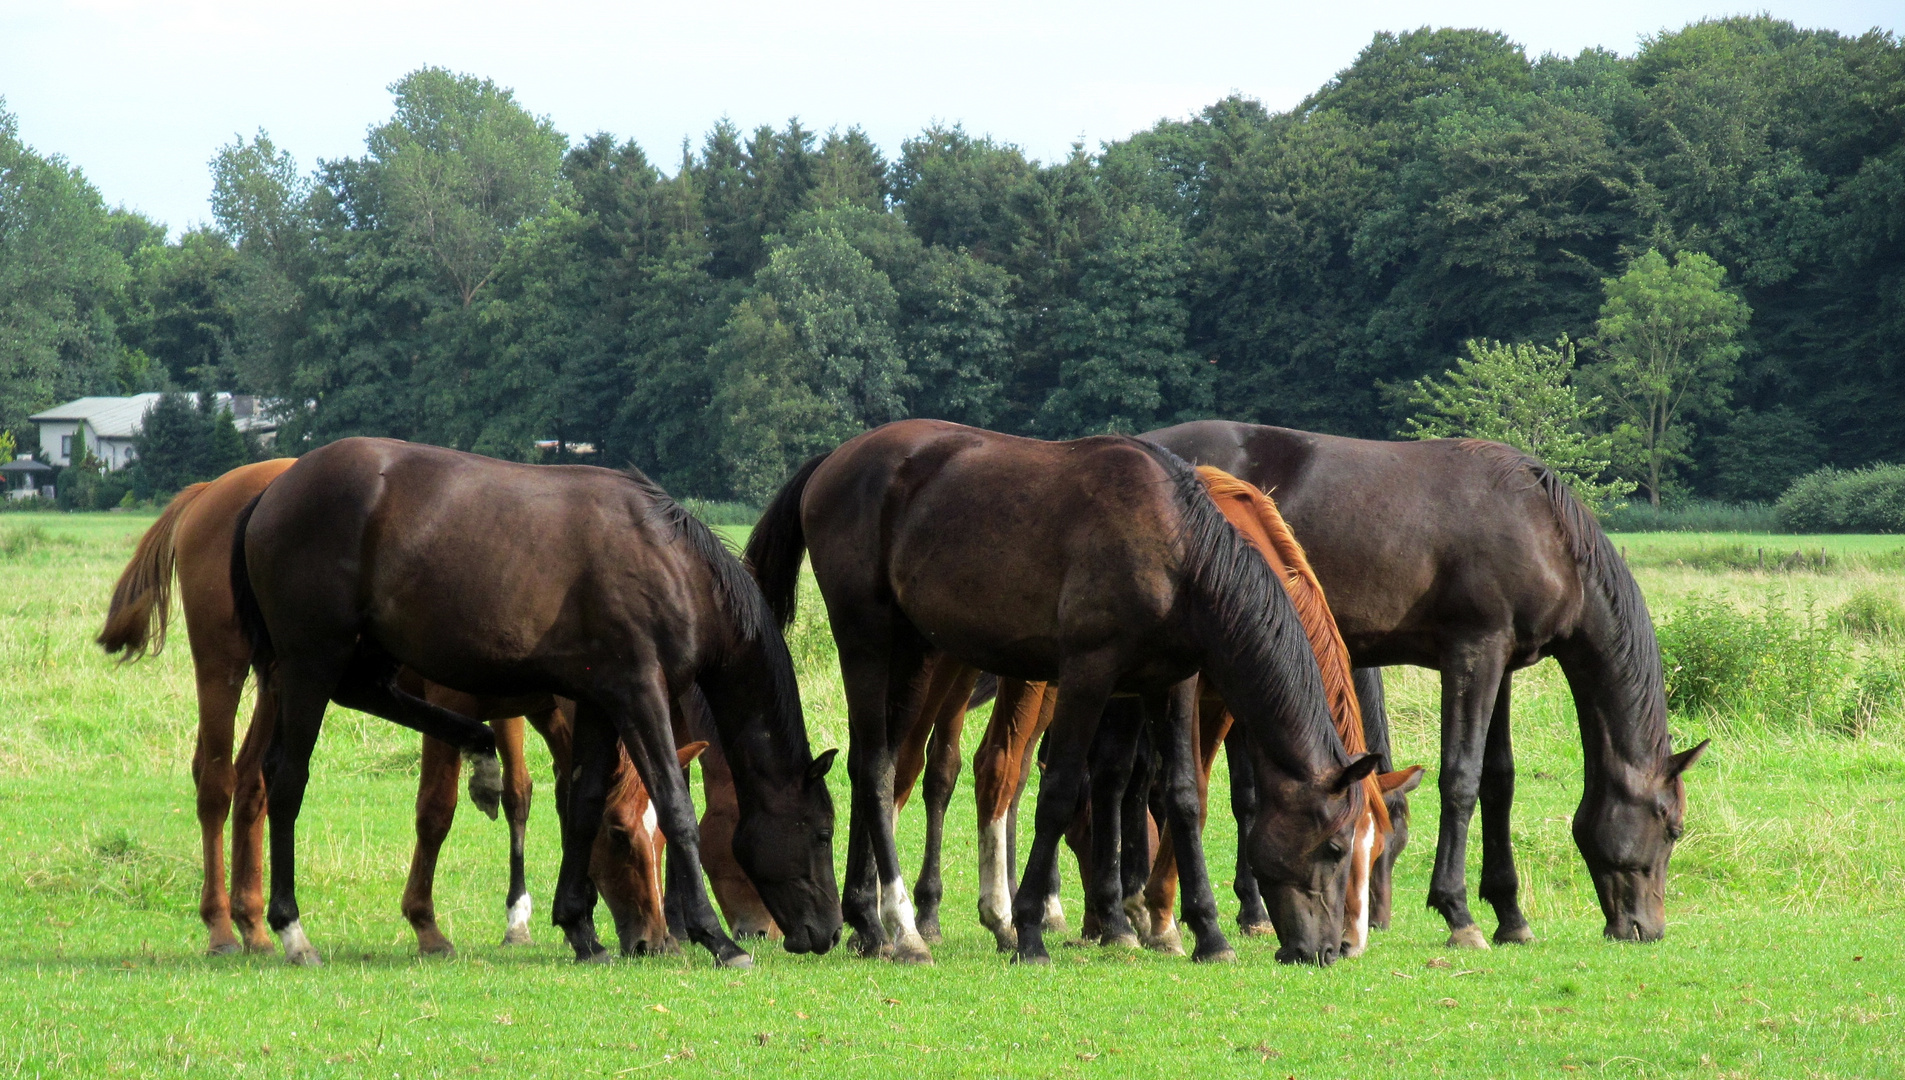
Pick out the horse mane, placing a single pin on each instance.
(1300, 582)
(753, 621)
(1634, 654)
(1235, 579)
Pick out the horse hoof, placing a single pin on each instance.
(1170, 943)
(602, 956)
(740, 961)
(1257, 929)
(1215, 956)
(911, 950)
(1514, 935)
(931, 935)
(1034, 959)
(1006, 939)
(516, 935)
(439, 951)
(1121, 941)
(222, 948)
(865, 945)
(305, 957)
(1467, 937)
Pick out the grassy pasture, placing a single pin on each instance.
(1786, 905)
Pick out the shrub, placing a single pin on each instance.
(722, 513)
(1771, 662)
(1872, 613)
(1868, 500)
(1877, 692)
(1699, 515)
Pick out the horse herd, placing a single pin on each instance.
(1132, 603)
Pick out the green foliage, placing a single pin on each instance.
(1868, 500)
(1669, 334)
(1770, 662)
(1761, 453)
(1522, 395)
(1872, 613)
(1878, 695)
(1698, 515)
(182, 443)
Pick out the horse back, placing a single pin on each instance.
(1008, 552)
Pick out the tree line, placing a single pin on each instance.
(476, 279)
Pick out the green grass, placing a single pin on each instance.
(1783, 957)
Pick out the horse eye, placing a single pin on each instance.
(1337, 850)
(825, 836)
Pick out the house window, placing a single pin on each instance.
(66, 447)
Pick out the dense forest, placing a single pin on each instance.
(477, 279)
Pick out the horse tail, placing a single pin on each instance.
(778, 544)
(142, 600)
(251, 618)
(984, 690)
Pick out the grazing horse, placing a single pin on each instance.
(1255, 517)
(1474, 559)
(369, 554)
(193, 537)
(1100, 564)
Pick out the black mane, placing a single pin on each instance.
(1634, 653)
(753, 622)
(1254, 616)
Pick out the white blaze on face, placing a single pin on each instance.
(651, 821)
(1362, 857)
(995, 894)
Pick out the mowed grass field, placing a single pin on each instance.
(1783, 957)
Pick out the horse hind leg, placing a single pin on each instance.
(248, 825)
(1173, 722)
(517, 791)
(436, 811)
(1500, 886)
(942, 776)
(215, 780)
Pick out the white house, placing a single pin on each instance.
(106, 425)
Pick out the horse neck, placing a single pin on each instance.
(1612, 664)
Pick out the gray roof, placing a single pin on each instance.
(25, 465)
(109, 417)
(120, 417)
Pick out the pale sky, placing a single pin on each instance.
(141, 94)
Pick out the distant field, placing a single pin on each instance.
(1783, 958)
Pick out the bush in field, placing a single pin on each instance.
(1872, 613)
(722, 513)
(1697, 515)
(1868, 500)
(1878, 692)
(1771, 662)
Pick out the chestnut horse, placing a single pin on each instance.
(193, 536)
(1103, 565)
(369, 554)
(1475, 560)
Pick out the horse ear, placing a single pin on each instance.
(1684, 760)
(690, 752)
(1400, 782)
(821, 764)
(1354, 772)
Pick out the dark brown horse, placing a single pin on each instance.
(1100, 564)
(372, 553)
(192, 540)
(1473, 559)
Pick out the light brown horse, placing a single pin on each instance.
(193, 538)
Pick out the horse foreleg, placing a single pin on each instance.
(998, 769)
(592, 749)
(1112, 757)
(1214, 724)
(436, 810)
(1500, 886)
(248, 824)
(1471, 679)
(1081, 701)
(1382, 872)
(942, 775)
(215, 779)
(1173, 717)
(518, 789)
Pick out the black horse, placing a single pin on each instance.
(1474, 559)
(373, 553)
(1100, 564)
